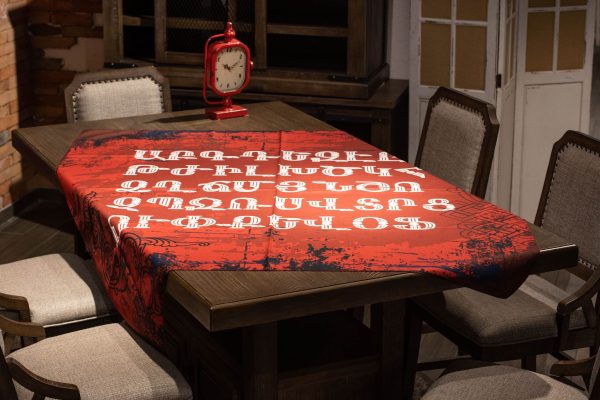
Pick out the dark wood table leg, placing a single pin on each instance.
(260, 362)
(413, 327)
(388, 324)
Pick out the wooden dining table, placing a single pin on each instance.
(286, 334)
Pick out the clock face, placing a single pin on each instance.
(230, 69)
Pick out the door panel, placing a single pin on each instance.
(554, 62)
(562, 102)
(454, 43)
(501, 175)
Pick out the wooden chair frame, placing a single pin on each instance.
(42, 387)
(486, 156)
(21, 305)
(116, 74)
(567, 338)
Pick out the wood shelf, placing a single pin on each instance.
(307, 30)
(338, 54)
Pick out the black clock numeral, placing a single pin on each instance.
(228, 85)
(239, 75)
(217, 79)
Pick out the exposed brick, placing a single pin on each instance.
(39, 17)
(6, 150)
(4, 137)
(10, 172)
(44, 29)
(82, 31)
(4, 99)
(93, 6)
(13, 106)
(5, 162)
(53, 42)
(8, 71)
(4, 61)
(41, 5)
(4, 187)
(65, 5)
(31, 84)
(49, 76)
(9, 121)
(7, 48)
(16, 156)
(72, 18)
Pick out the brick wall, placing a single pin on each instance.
(43, 43)
(58, 30)
(15, 96)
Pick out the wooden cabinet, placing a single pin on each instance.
(381, 120)
(314, 47)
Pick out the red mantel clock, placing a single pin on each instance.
(227, 67)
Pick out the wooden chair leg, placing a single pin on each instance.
(529, 363)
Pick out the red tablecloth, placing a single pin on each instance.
(147, 202)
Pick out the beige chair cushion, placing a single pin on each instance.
(60, 288)
(105, 362)
(499, 382)
(529, 314)
(453, 144)
(118, 98)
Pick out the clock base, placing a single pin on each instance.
(233, 111)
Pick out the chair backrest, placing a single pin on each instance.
(458, 140)
(570, 201)
(117, 93)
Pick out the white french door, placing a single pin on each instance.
(453, 44)
(501, 174)
(554, 70)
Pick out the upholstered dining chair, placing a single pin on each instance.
(57, 292)
(104, 362)
(458, 140)
(475, 380)
(117, 93)
(539, 317)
